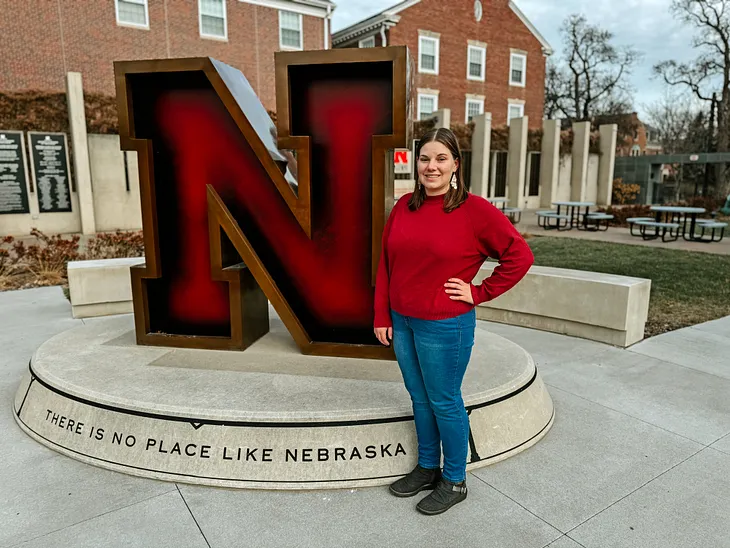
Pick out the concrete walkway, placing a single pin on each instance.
(528, 224)
(639, 456)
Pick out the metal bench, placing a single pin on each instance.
(514, 213)
(561, 222)
(708, 224)
(633, 220)
(660, 229)
(593, 221)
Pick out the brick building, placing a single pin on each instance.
(471, 56)
(43, 40)
(644, 140)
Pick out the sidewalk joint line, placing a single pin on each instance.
(91, 518)
(520, 505)
(192, 515)
(635, 490)
(627, 415)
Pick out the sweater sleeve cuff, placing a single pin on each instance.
(478, 294)
(382, 319)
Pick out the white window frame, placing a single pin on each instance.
(301, 32)
(483, 52)
(134, 25)
(436, 41)
(225, 23)
(363, 43)
(512, 56)
(433, 96)
(521, 106)
(471, 100)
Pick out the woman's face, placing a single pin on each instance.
(436, 165)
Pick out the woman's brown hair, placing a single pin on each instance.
(455, 196)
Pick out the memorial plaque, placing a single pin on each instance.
(13, 176)
(49, 155)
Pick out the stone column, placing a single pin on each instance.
(481, 141)
(606, 163)
(516, 161)
(443, 118)
(579, 173)
(82, 169)
(549, 162)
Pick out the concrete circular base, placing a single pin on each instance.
(268, 417)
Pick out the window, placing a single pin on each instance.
(517, 69)
(636, 150)
(132, 12)
(476, 63)
(515, 111)
(427, 105)
(474, 107)
(290, 30)
(428, 55)
(368, 42)
(213, 18)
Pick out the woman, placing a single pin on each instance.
(434, 242)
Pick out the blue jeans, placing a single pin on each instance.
(433, 355)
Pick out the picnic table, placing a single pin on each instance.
(671, 222)
(684, 217)
(573, 210)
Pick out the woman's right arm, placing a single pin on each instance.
(382, 280)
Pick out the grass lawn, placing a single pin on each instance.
(687, 288)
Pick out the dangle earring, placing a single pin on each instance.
(453, 181)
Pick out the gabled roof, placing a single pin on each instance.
(389, 17)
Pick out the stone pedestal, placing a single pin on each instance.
(267, 418)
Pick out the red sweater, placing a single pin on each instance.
(423, 249)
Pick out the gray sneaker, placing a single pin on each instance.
(419, 479)
(443, 497)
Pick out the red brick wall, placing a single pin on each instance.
(500, 29)
(36, 57)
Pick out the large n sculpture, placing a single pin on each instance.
(230, 222)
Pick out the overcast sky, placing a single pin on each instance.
(647, 25)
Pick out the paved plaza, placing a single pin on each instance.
(639, 456)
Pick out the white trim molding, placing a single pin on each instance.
(515, 103)
(424, 37)
(482, 51)
(314, 8)
(546, 47)
(422, 95)
(288, 47)
(519, 55)
(473, 100)
(368, 42)
(225, 23)
(134, 25)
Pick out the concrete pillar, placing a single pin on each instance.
(579, 174)
(516, 161)
(606, 163)
(443, 118)
(82, 169)
(549, 162)
(481, 141)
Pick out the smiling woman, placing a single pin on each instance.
(434, 243)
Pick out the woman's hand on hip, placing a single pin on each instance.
(384, 334)
(459, 290)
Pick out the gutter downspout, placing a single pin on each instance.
(383, 39)
(327, 26)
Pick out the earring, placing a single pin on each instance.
(453, 181)
(419, 185)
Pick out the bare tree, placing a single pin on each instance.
(593, 76)
(709, 72)
(680, 122)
